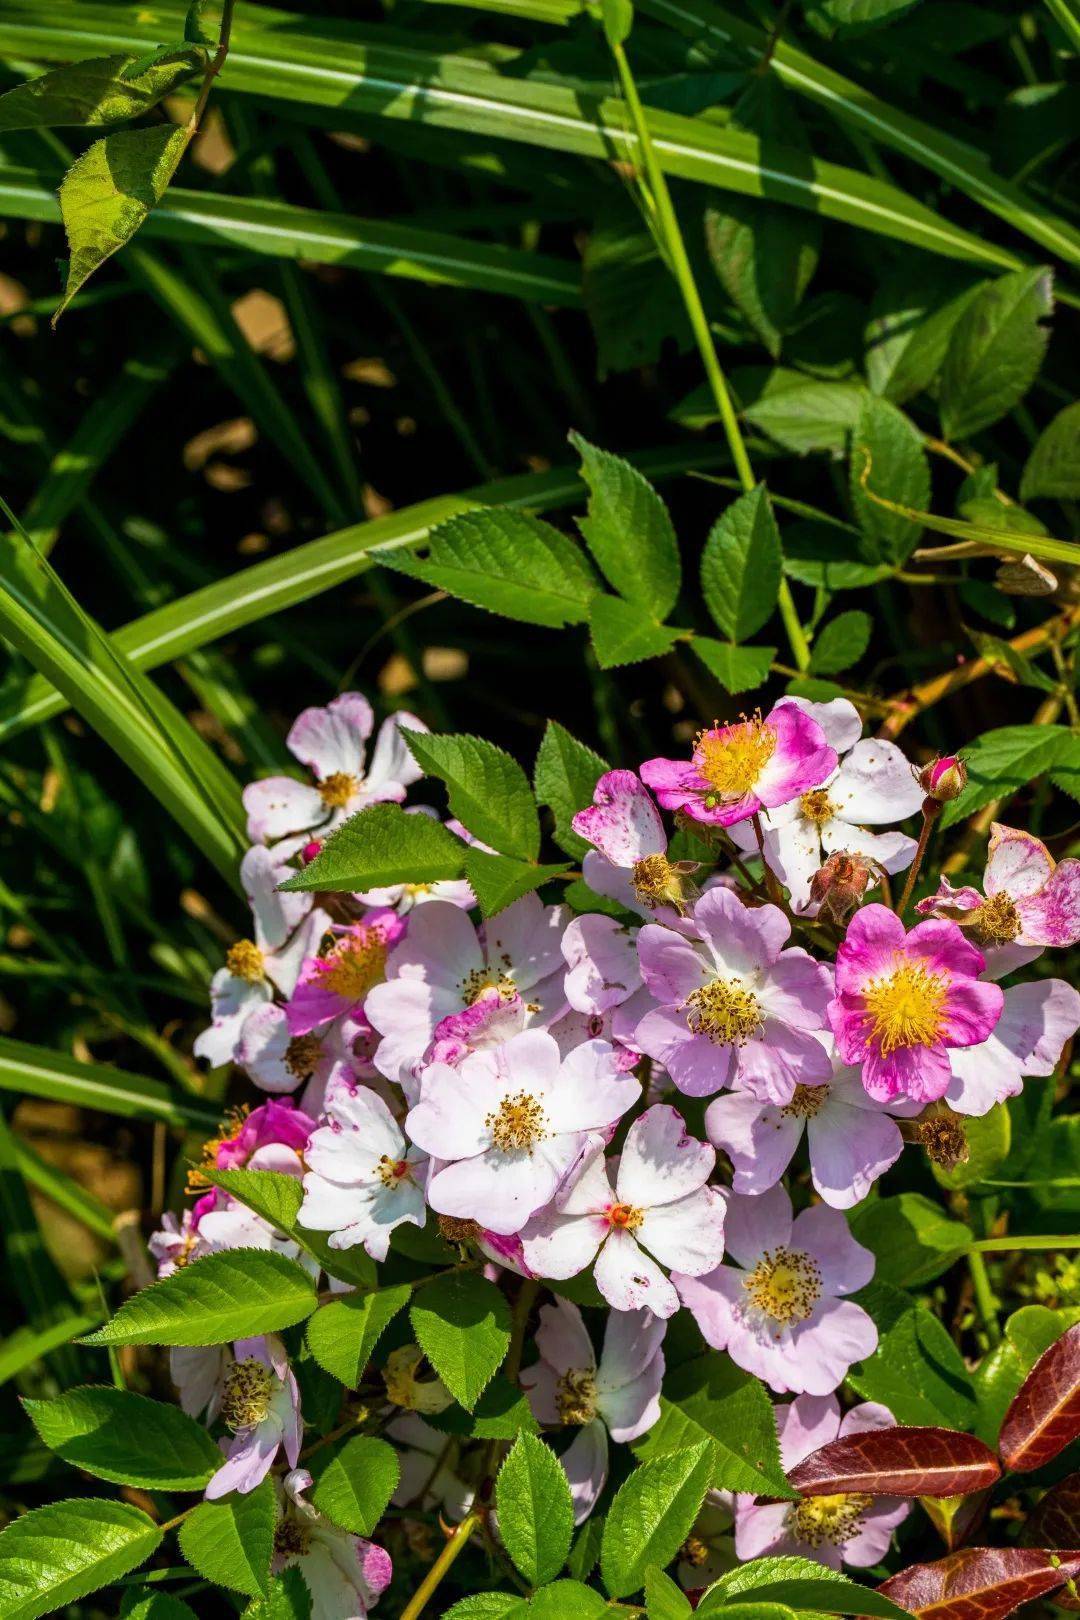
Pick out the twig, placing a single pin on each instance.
(454, 1547)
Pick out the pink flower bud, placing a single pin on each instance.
(944, 779)
(310, 850)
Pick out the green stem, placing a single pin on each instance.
(665, 223)
(454, 1546)
(984, 1297)
(929, 817)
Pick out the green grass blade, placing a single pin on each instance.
(31, 1271)
(64, 1191)
(1066, 15)
(36, 1071)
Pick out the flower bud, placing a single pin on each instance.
(312, 848)
(838, 886)
(943, 779)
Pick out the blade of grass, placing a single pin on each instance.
(64, 1191)
(36, 1071)
(31, 1270)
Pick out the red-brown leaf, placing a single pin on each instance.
(1044, 1416)
(979, 1583)
(898, 1462)
(1055, 1522)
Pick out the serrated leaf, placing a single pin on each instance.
(354, 1482)
(567, 1600)
(101, 90)
(741, 565)
(55, 1555)
(536, 1513)
(236, 1294)
(899, 1461)
(498, 880)
(564, 777)
(804, 1584)
(911, 321)
(157, 1606)
(1002, 761)
(840, 643)
(127, 1438)
(288, 1598)
(765, 255)
(343, 1334)
(508, 562)
(231, 1541)
(995, 351)
(624, 633)
(916, 1370)
(801, 413)
(738, 669)
(462, 1324)
(108, 192)
(488, 790)
(1053, 468)
(277, 1198)
(899, 472)
(501, 1413)
(913, 1238)
(489, 1606)
(711, 1399)
(381, 846)
(628, 530)
(663, 1599)
(652, 1515)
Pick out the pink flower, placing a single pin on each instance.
(620, 1396)
(873, 784)
(260, 1402)
(735, 1006)
(332, 743)
(345, 1573)
(276, 1132)
(602, 962)
(661, 1210)
(903, 999)
(845, 1529)
(778, 1312)
(737, 770)
(363, 1179)
(446, 981)
(351, 961)
(852, 1141)
(428, 1460)
(511, 1123)
(1031, 901)
(629, 862)
(176, 1242)
(1027, 1040)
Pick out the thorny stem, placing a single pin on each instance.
(214, 66)
(930, 812)
(450, 1552)
(666, 224)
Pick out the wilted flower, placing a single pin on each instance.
(260, 1403)
(630, 862)
(345, 1574)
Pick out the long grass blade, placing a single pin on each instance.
(35, 1071)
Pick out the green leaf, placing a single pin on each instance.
(995, 1381)
(916, 1370)
(488, 790)
(108, 192)
(617, 17)
(821, 554)
(565, 774)
(343, 1334)
(989, 1138)
(498, 880)
(801, 413)
(711, 1399)
(741, 566)
(567, 1600)
(231, 1541)
(235, 1294)
(912, 1237)
(624, 633)
(489, 1606)
(277, 1198)
(157, 1606)
(995, 352)
(462, 1324)
(1053, 468)
(1003, 761)
(805, 1584)
(738, 669)
(899, 472)
(911, 321)
(508, 562)
(864, 13)
(287, 1598)
(381, 846)
(536, 1514)
(57, 1554)
(629, 531)
(97, 91)
(652, 1515)
(663, 1599)
(1034, 1328)
(765, 256)
(117, 1435)
(585, 1553)
(840, 643)
(354, 1482)
(501, 1413)
(751, 1610)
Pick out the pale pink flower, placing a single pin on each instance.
(351, 961)
(363, 1179)
(738, 770)
(660, 1210)
(260, 1403)
(629, 861)
(344, 1573)
(835, 1530)
(1027, 1040)
(602, 963)
(428, 1460)
(873, 784)
(511, 1122)
(619, 1396)
(904, 999)
(779, 1311)
(735, 1006)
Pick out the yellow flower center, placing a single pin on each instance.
(335, 791)
(725, 1011)
(997, 921)
(481, 980)
(731, 758)
(246, 1398)
(355, 963)
(694, 1551)
(817, 807)
(230, 1129)
(806, 1101)
(829, 1518)
(392, 1172)
(575, 1396)
(302, 1055)
(518, 1123)
(785, 1284)
(656, 881)
(624, 1217)
(244, 960)
(905, 1007)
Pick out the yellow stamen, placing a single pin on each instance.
(624, 1217)
(518, 1123)
(785, 1284)
(817, 807)
(481, 980)
(905, 1007)
(302, 1055)
(392, 1172)
(996, 921)
(244, 960)
(356, 962)
(245, 1400)
(231, 1127)
(731, 758)
(829, 1518)
(575, 1396)
(725, 1011)
(656, 882)
(335, 791)
(806, 1101)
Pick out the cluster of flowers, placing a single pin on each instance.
(519, 1078)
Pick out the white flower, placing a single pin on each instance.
(363, 1179)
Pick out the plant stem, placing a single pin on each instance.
(214, 66)
(666, 225)
(454, 1546)
(984, 1297)
(931, 811)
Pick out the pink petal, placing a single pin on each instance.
(331, 740)
(622, 821)
(630, 1280)
(661, 1161)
